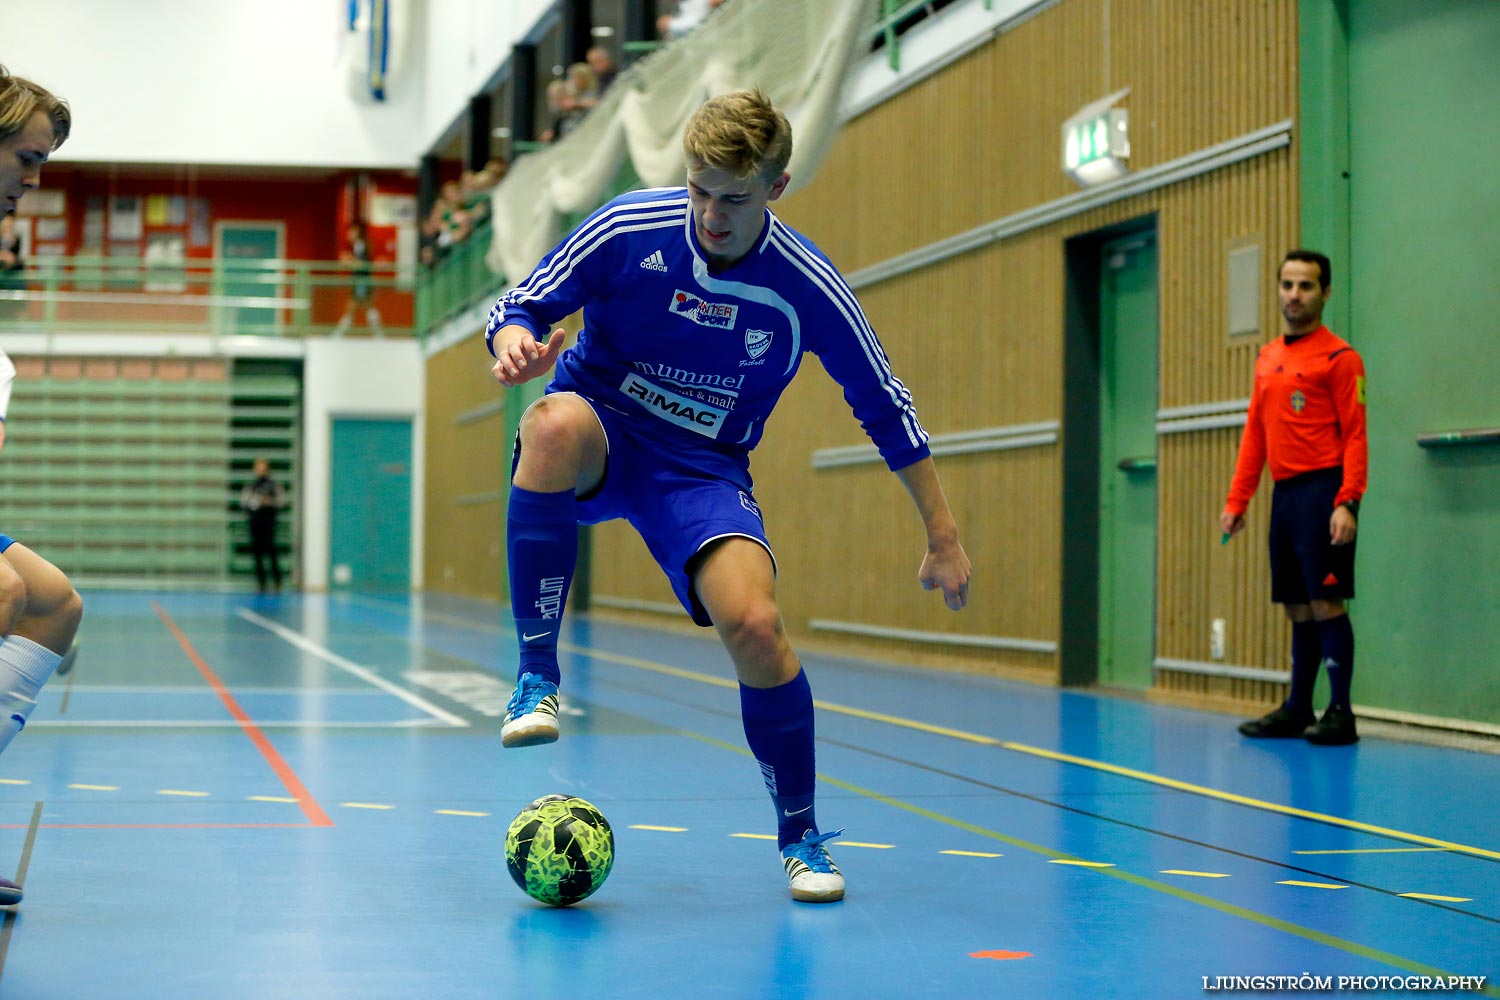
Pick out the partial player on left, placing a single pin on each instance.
(39, 609)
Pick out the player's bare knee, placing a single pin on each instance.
(555, 431)
(1324, 610)
(753, 631)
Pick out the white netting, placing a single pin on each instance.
(797, 51)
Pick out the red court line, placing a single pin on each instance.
(294, 786)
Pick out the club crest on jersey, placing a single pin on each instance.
(719, 315)
(1299, 401)
(757, 342)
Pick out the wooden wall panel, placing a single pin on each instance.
(465, 541)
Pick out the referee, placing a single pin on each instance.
(1307, 421)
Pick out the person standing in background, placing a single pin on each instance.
(359, 254)
(1307, 421)
(262, 498)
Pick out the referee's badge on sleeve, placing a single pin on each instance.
(1359, 389)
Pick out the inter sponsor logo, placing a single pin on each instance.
(719, 315)
(695, 415)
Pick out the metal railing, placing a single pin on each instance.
(457, 280)
(210, 296)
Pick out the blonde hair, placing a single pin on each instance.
(741, 132)
(20, 99)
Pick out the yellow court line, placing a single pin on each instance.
(176, 791)
(754, 836)
(1098, 765)
(856, 843)
(973, 854)
(1379, 850)
(1313, 885)
(1140, 881)
(96, 788)
(1179, 871)
(364, 805)
(1243, 800)
(458, 812)
(13, 781)
(1440, 899)
(1081, 864)
(270, 798)
(659, 829)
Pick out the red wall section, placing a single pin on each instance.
(314, 210)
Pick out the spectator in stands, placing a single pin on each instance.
(262, 499)
(455, 219)
(603, 65)
(358, 253)
(559, 107)
(39, 609)
(690, 14)
(584, 84)
(476, 186)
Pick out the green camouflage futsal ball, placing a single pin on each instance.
(559, 849)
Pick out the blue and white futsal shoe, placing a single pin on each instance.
(531, 716)
(10, 893)
(814, 876)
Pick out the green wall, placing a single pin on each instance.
(1420, 300)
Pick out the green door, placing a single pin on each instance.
(1127, 451)
(369, 546)
(244, 248)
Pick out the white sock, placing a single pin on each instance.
(24, 667)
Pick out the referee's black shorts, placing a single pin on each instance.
(1305, 565)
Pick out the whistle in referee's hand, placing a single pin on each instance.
(1224, 540)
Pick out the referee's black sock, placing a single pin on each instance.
(1307, 652)
(1338, 657)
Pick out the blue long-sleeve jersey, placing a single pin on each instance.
(701, 357)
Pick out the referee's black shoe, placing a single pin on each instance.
(1284, 722)
(1335, 729)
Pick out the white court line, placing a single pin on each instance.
(199, 689)
(305, 644)
(231, 724)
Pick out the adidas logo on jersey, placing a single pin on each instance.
(655, 262)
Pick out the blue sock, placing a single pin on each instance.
(541, 543)
(1338, 657)
(1307, 653)
(779, 728)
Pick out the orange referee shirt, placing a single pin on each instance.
(1307, 412)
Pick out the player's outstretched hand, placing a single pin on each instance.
(519, 357)
(947, 568)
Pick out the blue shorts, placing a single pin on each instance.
(6, 542)
(679, 500)
(1305, 564)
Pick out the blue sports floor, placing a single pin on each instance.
(306, 797)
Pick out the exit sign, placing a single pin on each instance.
(1096, 145)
